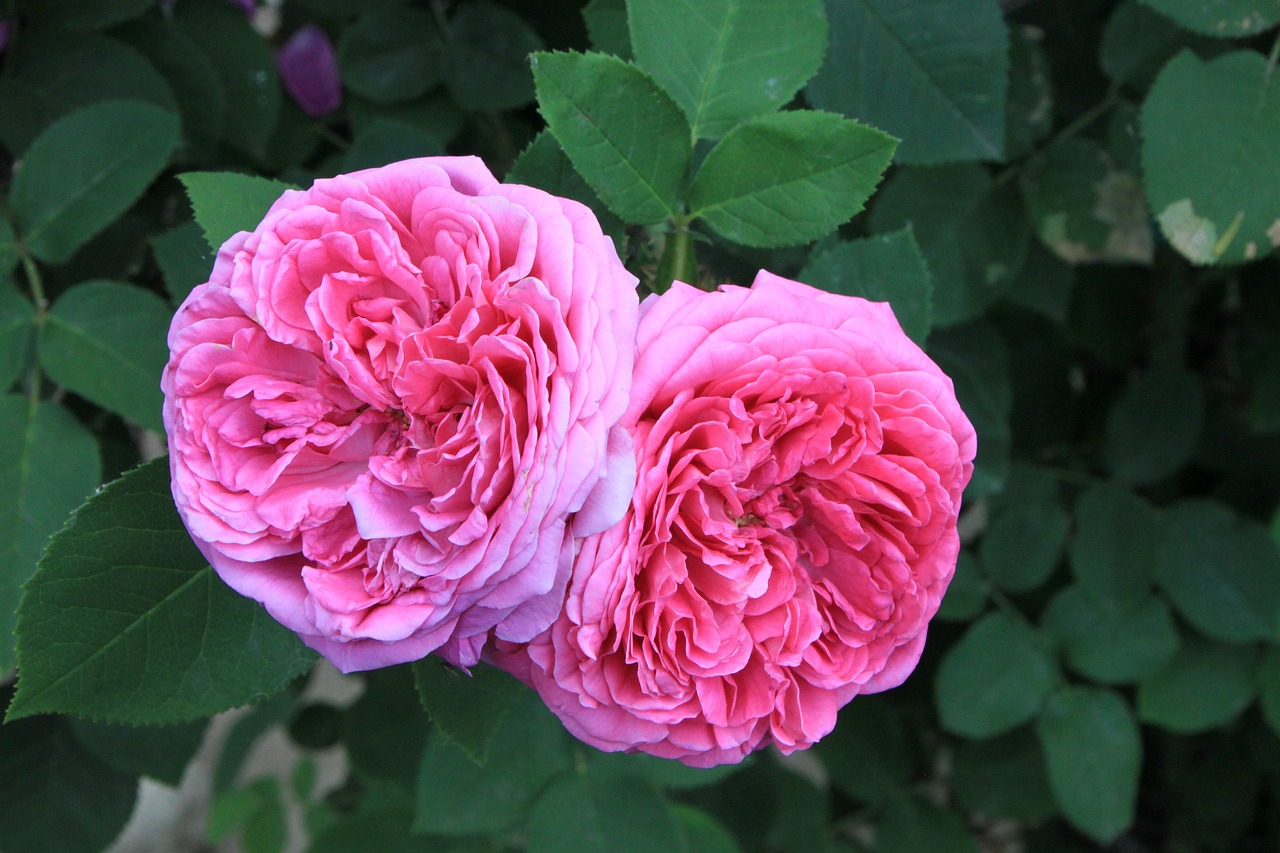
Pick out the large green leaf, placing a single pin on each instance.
(1113, 550)
(625, 135)
(391, 54)
(456, 796)
(883, 268)
(1221, 18)
(466, 708)
(974, 235)
(184, 257)
(931, 72)
(228, 202)
(488, 57)
(125, 622)
(105, 340)
(1112, 643)
(1209, 157)
(608, 814)
(389, 700)
(543, 164)
(1153, 426)
(607, 27)
(48, 463)
(728, 60)
(1204, 686)
(785, 179)
(1094, 752)
(1222, 571)
(85, 170)
(1023, 545)
(994, 679)
(1137, 41)
(55, 796)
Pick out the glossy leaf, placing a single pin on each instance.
(882, 268)
(1207, 156)
(1221, 571)
(994, 679)
(931, 72)
(85, 170)
(724, 61)
(789, 178)
(625, 135)
(125, 622)
(105, 340)
(1094, 753)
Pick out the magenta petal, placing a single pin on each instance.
(309, 70)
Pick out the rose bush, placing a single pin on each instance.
(800, 464)
(388, 400)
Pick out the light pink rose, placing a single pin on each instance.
(793, 528)
(389, 400)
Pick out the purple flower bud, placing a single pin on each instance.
(309, 70)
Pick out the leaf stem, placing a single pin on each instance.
(679, 262)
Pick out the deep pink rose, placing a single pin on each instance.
(390, 398)
(793, 528)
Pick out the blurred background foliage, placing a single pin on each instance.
(1079, 222)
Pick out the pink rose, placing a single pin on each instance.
(389, 400)
(793, 528)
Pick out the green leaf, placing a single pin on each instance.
(389, 701)
(124, 621)
(1206, 685)
(663, 772)
(200, 93)
(1113, 550)
(184, 258)
(606, 22)
(1004, 777)
(1137, 41)
(977, 360)
(608, 814)
(868, 755)
(786, 179)
(105, 340)
(911, 825)
(386, 141)
(55, 796)
(48, 463)
(17, 327)
(543, 164)
(994, 679)
(384, 829)
(228, 202)
(455, 796)
(245, 66)
(967, 593)
(85, 170)
(1029, 108)
(467, 709)
(974, 235)
(1043, 285)
(488, 57)
(1094, 753)
(1085, 209)
(703, 833)
(1023, 545)
(157, 752)
(391, 54)
(728, 60)
(934, 73)
(882, 268)
(1221, 571)
(1113, 645)
(1153, 426)
(1221, 18)
(1207, 157)
(625, 136)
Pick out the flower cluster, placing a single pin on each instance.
(417, 411)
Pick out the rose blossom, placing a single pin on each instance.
(390, 397)
(793, 528)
